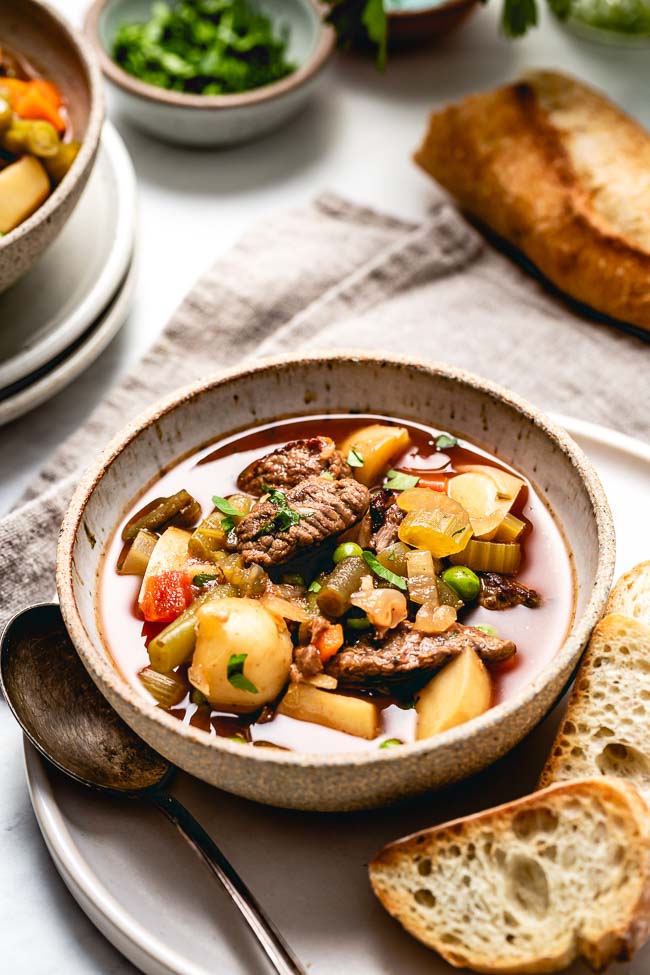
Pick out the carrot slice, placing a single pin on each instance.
(329, 641)
(15, 89)
(49, 91)
(35, 105)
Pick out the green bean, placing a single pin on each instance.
(57, 166)
(334, 597)
(181, 507)
(175, 644)
(394, 558)
(168, 689)
(43, 140)
(14, 137)
(209, 539)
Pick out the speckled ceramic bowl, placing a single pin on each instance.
(34, 30)
(428, 393)
(215, 120)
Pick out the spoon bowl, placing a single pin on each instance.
(63, 714)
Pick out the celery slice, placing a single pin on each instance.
(490, 557)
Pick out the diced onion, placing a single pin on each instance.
(490, 557)
(385, 608)
(434, 619)
(422, 582)
(285, 608)
(442, 530)
(324, 681)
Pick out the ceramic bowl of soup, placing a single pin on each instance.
(332, 583)
(50, 80)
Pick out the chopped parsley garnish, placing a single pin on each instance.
(226, 508)
(380, 570)
(444, 441)
(203, 578)
(355, 458)
(315, 586)
(398, 481)
(236, 675)
(330, 477)
(286, 516)
(204, 47)
(391, 743)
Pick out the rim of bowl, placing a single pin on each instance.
(427, 10)
(256, 96)
(91, 137)
(98, 664)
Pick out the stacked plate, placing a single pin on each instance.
(57, 319)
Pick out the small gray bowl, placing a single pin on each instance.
(429, 393)
(215, 120)
(62, 55)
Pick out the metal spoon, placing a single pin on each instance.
(75, 728)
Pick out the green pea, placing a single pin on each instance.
(346, 550)
(463, 581)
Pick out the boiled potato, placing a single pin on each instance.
(460, 691)
(243, 654)
(376, 446)
(508, 484)
(349, 714)
(24, 185)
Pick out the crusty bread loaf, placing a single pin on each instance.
(631, 594)
(606, 728)
(529, 886)
(561, 173)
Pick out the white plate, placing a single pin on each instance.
(147, 892)
(48, 383)
(61, 297)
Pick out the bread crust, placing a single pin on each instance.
(619, 943)
(631, 594)
(507, 164)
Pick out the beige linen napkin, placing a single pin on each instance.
(336, 275)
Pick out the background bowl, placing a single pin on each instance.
(420, 22)
(453, 400)
(63, 56)
(215, 120)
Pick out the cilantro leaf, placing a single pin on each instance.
(444, 441)
(355, 458)
(225, 507)
(236, 676)
(398, 481)
(286, 515)
(380, 570)
(202, 578)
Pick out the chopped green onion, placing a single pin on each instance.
(380, 570)
(355, 459)
(236, 675)
(444, 441)
(315, 586)
(398, 481)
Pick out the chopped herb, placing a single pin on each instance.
(203, 578)
(315, 586)
(286, 516)
(444, 441)
(330, 477)
(198, 698)
(487, 628)
(397, 481)
(391, 743)
(380, 570)
(228, 509)
(293, 579)
(205, 47)
(459, 531)
(228, 524)
(236, 675)
(391, 555)
(355, 459)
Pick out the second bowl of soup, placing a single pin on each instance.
(332, 605)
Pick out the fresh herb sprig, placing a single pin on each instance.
(285, 517)
(382, 572)
(227, 509)
(236, 675)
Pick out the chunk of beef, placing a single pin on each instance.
(317, 509)
(406, 655)
(386, 517)
(287, 466)
(502, 592)
(306, 663)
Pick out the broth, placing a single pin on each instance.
(538, 633)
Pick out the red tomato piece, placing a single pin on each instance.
(165, 596)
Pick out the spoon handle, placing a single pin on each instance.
(277, 950)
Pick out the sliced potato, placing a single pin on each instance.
(349, 714)
(169, 555)
(460, 691)
(376, 446)
(508, 484)
(24, 185)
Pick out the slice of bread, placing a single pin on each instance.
(529, 886)
(561, 173)
(606, 727)
(631, 594)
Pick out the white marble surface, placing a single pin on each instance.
(356, 139)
